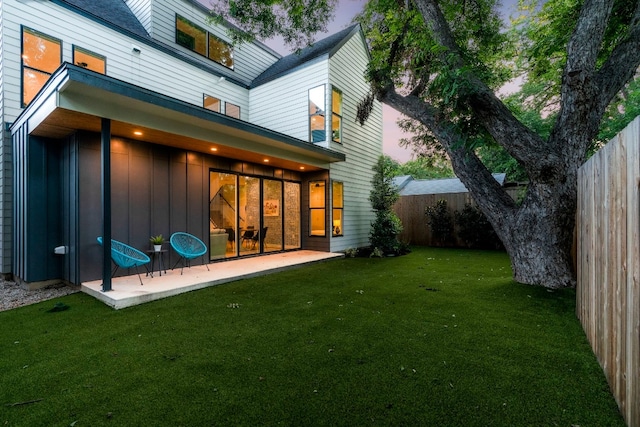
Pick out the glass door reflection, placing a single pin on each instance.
(249, 215)
(223, 234)
(271, 233)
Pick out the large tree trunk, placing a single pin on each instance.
(539, 237)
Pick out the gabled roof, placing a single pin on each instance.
(318, 50)
(114, 12)
(414, 187)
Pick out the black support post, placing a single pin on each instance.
(105, 147)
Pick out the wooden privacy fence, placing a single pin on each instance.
(608, 289)
(410, 210)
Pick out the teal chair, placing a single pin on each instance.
(188, 247)
(125, 256)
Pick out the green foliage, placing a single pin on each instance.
(302, 341)
(157, 240)
(475, 230)
(440, 222)
(296, 21)
(387, 226)
(497, 160)
(620, 113)
(542, 31)
(424, 167)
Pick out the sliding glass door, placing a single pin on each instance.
(249, 219)
(255, 215)
(222, 215)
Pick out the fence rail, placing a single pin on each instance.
(608, 290)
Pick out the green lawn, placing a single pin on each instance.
(435, 338)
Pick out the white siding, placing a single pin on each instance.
(283, 104)
(152, 69)
(250, 60)
(362, 145)
(142, 10)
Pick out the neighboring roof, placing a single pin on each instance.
(320, 49)
(401, 181)
(417, 187)
(115, 12)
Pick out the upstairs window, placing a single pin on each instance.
(317, 132)
(220, 51)
(336, 115)
(212, 103)
(232, 110)
(199, 40)
(191, 36)
(89, 60)
(41, 56)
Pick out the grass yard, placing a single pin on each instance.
(435, 338)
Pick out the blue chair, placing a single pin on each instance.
(125, 256)
(188, 247)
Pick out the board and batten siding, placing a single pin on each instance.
(283, 104)
(608, 254)
(152, 69)
(142, 10)
(362, 145)
(250, 60)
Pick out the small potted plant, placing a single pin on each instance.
(157, 242)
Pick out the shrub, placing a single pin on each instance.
(440, 222)
(387, 226)
(475, 230)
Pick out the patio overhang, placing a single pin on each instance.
(78, 99)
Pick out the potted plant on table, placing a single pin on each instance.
(157, 242)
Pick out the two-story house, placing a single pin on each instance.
(138, 117)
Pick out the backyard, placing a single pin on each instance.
(435, 338)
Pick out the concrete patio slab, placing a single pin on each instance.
(127, 291)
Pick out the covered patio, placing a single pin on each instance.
(127, 291)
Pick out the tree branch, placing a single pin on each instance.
(621, 66)
(475, 176)
(520, 142)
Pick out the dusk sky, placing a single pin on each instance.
(344, 14)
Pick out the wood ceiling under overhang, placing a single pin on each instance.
(62, 123)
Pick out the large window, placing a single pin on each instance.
(317, 208)
(336, 115)
(197, 39)
(337, 196)
(317, 132)
(41, 56)
(89, 60)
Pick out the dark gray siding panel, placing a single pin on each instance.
(140, 193)
(37, 208)
(89, 207)
(196, 196)
(160, 193)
